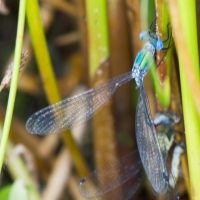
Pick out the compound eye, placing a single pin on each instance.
(159, 45)
(142, 35)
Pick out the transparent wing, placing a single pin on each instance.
(148, 146)
(117, 180)
(171, 193)
(75, 110)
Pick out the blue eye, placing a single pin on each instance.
(159, 45)
(142, 35)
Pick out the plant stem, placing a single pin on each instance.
(14, 81)
(99, 68)
(163, 61)
(48, 77)
(97, 33)
(185, 36)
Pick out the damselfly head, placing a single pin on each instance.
(166, 118)
(152, 38)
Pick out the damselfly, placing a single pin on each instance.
(120, 179)
(78, 109)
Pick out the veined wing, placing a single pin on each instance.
(117, 180)
(75, 110)
(148, 146)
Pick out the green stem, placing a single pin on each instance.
(191, 118)
(185, 35)
(41, 51)
(162, 76)
(147, 9)
(49, 81)
(97, 34)
(14, 81)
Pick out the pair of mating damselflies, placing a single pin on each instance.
(76, 110)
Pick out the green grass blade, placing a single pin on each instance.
(185, 36)
(97, 33)
(14, 81)
(46, 71)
